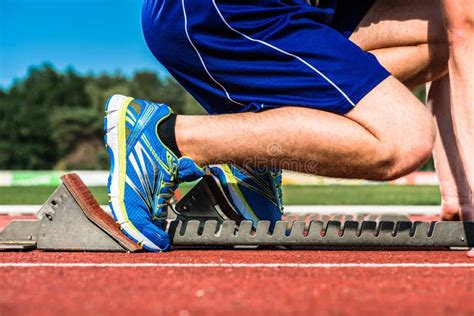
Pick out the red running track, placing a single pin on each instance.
(169, 287)
(238, 282)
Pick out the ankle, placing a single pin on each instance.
(187, 140)
(167, 135)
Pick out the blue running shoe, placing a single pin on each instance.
(144, 173)
(255, 195)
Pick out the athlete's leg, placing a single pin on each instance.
(456, 202)
(238, 58)
(459, 17)
(420, 54)
(388, 134)
(407, 37)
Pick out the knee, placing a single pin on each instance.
(460, 22)
(400, 158)
(460, 36)
(400, 161)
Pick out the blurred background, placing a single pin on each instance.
(59, 62)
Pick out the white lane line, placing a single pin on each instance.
(295, 209)
(237, 265)
(364, 209)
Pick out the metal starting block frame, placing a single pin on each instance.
(383, 234)
(359, 230)
(72, 220)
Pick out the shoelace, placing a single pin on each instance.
(166, 196)
(277, 177)
(166, 193)
(313, 2)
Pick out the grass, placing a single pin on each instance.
(362, 195)
(293, 195)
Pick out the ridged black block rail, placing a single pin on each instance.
(319, 233)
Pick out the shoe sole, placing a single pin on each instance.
(114, 127)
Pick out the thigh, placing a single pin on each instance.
(390, 109)
(397, 23)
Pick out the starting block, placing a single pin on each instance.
(72, 220)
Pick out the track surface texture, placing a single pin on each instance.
(237, 282)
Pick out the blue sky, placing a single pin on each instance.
(90, 35)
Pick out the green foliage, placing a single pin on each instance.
(420, 92)
(74, 125)
(149, 86)
(293, 195)
(49, 117)
(25, 136)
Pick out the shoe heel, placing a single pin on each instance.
(111, 139)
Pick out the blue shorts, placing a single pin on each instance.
(250, 55)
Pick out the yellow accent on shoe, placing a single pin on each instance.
(123, 159)
(232, 180)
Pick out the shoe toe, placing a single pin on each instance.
(153, 238)
(160, 241)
